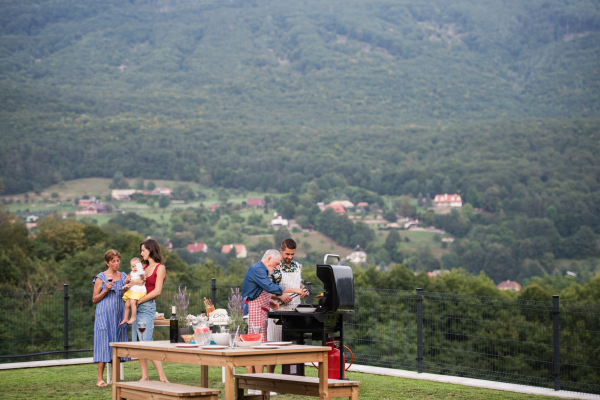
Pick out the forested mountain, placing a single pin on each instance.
(207, 85)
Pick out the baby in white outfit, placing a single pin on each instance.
(136, 291)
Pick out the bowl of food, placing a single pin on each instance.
(305, 308)
(221, 338)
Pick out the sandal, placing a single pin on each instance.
(101, 384)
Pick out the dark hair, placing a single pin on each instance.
(109, 255)
(288, 244)
(153, 247)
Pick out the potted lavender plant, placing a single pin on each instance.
(235, 306)
(182, 302)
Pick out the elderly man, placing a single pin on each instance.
(257, 290)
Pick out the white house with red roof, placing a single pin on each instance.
(509, 285)
(197, 247)
(240, 250)
(447, 200)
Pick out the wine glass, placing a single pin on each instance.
(141, 326)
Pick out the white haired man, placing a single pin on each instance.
(257, 290)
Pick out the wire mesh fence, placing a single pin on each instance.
(532, 343)
(547, 344)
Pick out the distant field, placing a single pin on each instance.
(418, 238)
(317, 241)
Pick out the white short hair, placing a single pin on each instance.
(274, 254)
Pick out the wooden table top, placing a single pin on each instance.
(239, 351)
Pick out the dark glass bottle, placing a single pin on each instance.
(174, 325)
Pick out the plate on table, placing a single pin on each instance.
(278, 343)
(214, 347)
(187, 345)
(265, 346)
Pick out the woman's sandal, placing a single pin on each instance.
(101, 384)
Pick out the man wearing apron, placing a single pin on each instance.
(257, 289)
(289, 275)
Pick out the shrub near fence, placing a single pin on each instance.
(507, 340)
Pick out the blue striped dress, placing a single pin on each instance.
(109, 312)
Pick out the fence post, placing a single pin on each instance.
(213, 288)
(419, 330)
(556, 341)
(66, 319)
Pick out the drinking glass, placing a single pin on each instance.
(231, 339)
(141, 326)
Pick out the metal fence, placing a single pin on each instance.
(547, 344)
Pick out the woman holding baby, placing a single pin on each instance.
(146, 306)
(108, 295)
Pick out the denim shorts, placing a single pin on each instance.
(145, 313)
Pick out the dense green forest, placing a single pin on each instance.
(212, 89)
(495, 100)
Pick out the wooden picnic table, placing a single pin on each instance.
(229, 358)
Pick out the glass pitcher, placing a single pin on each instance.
(202, 334)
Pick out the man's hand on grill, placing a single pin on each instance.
(285, 298)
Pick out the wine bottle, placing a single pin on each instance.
(174, 325)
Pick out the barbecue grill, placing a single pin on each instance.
(335, 307)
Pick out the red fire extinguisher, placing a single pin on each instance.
(333, 360)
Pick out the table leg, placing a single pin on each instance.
(204, 376)
(323, 379)
(229, 382)
(116, 376)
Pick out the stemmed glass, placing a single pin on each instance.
(141, 326)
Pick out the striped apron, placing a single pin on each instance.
(288, 280)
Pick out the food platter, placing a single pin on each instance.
(214, 347)
(278, 343)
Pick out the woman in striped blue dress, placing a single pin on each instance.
(108, 290)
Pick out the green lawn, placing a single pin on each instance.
(77, 382)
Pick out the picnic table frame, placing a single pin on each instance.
(228, 358)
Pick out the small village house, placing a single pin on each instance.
(255, 203)
(447, 201)
(197, 248)
(240, 250)
(509, 285)
(279, 221)
(358, 256)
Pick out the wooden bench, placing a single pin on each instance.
(291, 384)
(158, 390)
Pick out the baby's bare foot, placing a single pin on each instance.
(131, 321)
(123, 322)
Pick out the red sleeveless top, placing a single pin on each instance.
(151, 280)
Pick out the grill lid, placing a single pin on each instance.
(338, 282)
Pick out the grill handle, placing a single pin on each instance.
(331, 255)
